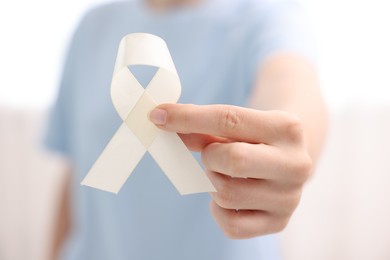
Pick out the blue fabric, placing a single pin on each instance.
(216, 47)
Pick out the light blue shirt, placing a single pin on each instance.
(217, 48)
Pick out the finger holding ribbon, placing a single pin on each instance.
(257, 161)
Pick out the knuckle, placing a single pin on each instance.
(225, 197)
(238, 160)
(303, 168)
(292, 127)
(234, 230)
(229, 223)
(295, 199)
(291, 203)
(279, 225)
(228, 119)
(287, 201)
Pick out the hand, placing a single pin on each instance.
(256, 160)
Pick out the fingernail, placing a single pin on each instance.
(158, 116)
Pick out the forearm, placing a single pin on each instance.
(289, 83)
(62, 222)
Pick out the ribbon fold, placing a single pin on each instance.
(137, 134)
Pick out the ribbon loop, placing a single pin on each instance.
(137, 134)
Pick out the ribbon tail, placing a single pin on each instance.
(177, 162)
(117, 161)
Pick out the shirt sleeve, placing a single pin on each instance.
(280, 27)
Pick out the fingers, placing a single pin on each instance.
(256, 160)
(196, 142)
(259, 161)
(243, 160)
(233, 122)
(253, 194)
(246, 223)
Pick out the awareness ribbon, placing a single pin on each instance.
(137, 134)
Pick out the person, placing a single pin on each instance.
(250, 105)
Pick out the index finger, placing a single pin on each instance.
(243, 124)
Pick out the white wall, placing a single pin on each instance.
(345, 209)
(352, 34)
(34, 37)
(354, 40)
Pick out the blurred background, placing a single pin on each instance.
(345, 208)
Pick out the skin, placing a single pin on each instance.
(258, 158)
(161, 5)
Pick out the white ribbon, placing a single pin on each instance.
(137, 134)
